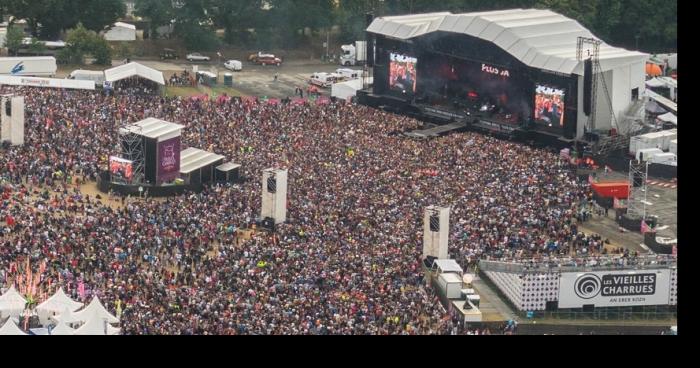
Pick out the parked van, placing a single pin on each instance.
(324, 80)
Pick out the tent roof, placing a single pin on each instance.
(58, 302)
(62, 329)
(66, 316)
(153, 128)
(12, 300)
(669, 118)
(125, 25)
(448, 265)
(540, 38)
(95, 326)
(134, 69)
(192, 159)
(228, 166)
(10, 328)
(97, 310)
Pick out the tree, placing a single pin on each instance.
(37, 47)
(80, 42)
(13, 39)
(158, 12)
(96, 15)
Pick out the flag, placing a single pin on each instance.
(645, 227)
(590, 179)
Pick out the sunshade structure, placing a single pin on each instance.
(95, 309)
(56, 304)
(12, 303)
(134, 70)
(10, 329)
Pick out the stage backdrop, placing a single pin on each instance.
(168, 162)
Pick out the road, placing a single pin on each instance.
(255, 80)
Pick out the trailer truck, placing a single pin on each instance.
(354, 54)
(38, 66)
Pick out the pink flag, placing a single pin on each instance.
(81, 289)
(645, 227)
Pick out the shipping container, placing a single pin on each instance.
(612, 189)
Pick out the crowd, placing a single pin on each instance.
(347, 261)
(184, 79)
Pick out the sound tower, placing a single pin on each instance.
(274, 195)
(271, 184)
(436, 226)
(434, 223)
(369, 17)
(587, 86)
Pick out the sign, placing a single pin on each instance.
(46, 82)
(614, 288)
(493, 70)
(168, 160)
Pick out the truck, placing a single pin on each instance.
(354, 54)
(94, 75)
(450, 285)
(37, 66)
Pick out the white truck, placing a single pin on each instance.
(94, 75)
(450, 285)
(37, 66)
(354, 54)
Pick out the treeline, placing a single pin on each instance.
(650, 24)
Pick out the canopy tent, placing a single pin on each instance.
(655, 83)
(66, 317)
(96, 325)
(95, 308)
(62, 329)
(134, 70)
(12, 303)
(668, 118)
(57, 303)
(10, 329)
(654, 108)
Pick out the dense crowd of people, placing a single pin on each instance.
(347, 261)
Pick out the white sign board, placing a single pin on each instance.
(47, 82)
(614, 288)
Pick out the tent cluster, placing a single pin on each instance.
(60, 312)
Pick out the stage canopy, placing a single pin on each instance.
(134, 70)
(153, 128)
(539, 38)
(668, 118)
(192, 159)
(10, 329)
(95, 309)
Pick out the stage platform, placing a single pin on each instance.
(105, 185)
(437, 131)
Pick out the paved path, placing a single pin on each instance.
(490, 301)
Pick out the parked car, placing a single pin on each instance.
(195, 56)
(268, 60)
(168, 54)
(253, 58)
(234, 65)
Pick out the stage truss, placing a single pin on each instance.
(637, 200)
(132, 148)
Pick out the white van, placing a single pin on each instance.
(323, 80)
(647, 153)
(348, 74)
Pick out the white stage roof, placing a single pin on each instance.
(539, 38)
(192, 159)
(134, 69)
(153, 128)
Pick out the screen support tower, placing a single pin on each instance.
(132, 148)
(587, 47)
(637, 199)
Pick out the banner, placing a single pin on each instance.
(46, 82)
(614, 288)
(168, 160)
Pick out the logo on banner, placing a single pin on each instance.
(169, 156)
(587, 286)
(18, 68)
(493, 70)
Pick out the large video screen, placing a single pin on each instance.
(402, 73)
(549, 105)
(120, 168)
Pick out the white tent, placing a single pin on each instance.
(347, 89)
(96, 325)
(121, 31)
(668, 118)
(12, 303)
(95, 308)
(134, 69)
(57, 303)
(66, 317)
(62, 329)
(10, 328)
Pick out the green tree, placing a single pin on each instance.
(37, 47)
(13, 39)
(96, 15)
(81, 42)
